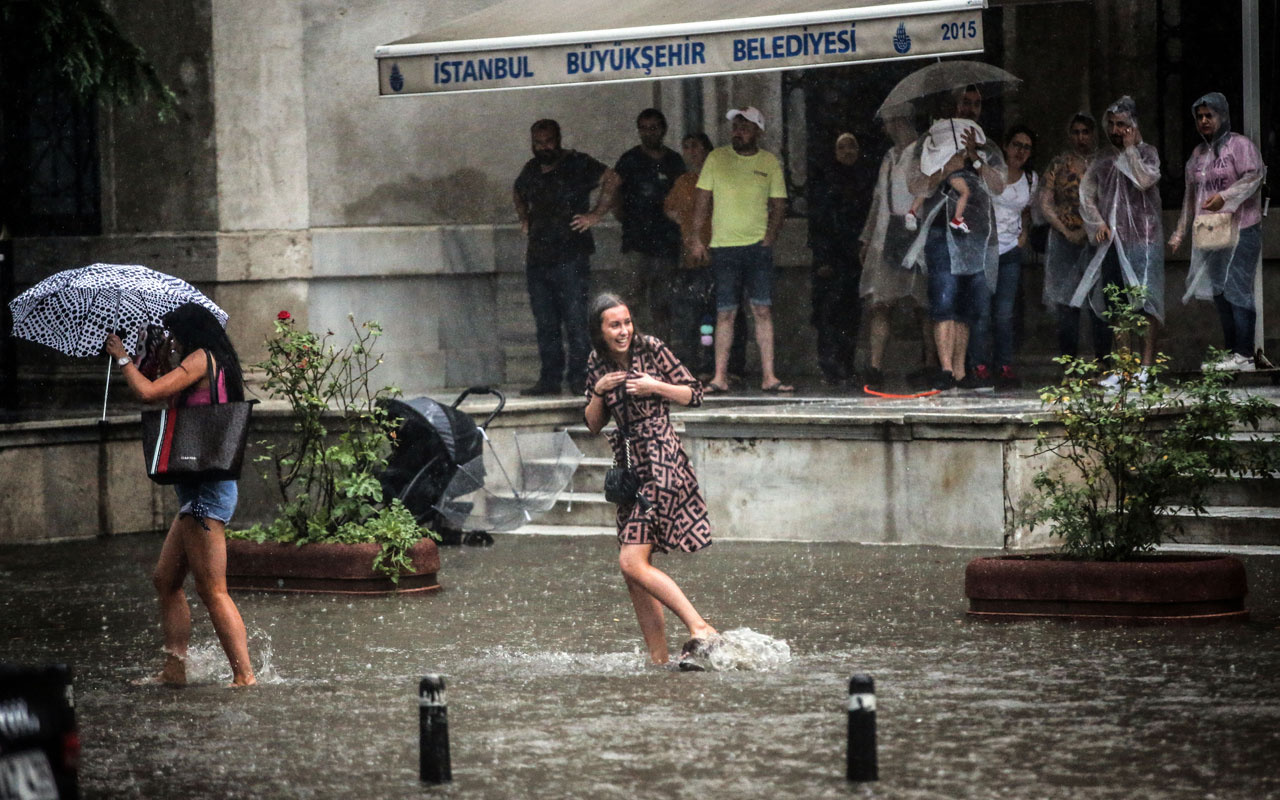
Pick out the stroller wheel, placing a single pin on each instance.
(477, 539)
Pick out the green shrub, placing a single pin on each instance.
(329, 492)
(1141, 450)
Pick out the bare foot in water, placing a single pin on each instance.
(174, 672)
(240, 683)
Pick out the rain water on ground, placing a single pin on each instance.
(550, 696)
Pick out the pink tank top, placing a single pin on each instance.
(200, 397)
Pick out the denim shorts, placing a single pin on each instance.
(217, 499)
(749, 266)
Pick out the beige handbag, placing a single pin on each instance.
(1213, 232)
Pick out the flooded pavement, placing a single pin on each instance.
(549, 695)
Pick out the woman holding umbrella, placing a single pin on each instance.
(196, 541)
(634, 378)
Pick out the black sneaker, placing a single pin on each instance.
(943, 381)
(979, 378)
(541, 389)
(873, 379)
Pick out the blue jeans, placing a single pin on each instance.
(558, 297)
(737, 268)
(951, 297)
(993, 344)
(212, 499)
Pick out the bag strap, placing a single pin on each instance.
(213, 384)
(623, 425)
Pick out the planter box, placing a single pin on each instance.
(1172, 588)
(325, 567)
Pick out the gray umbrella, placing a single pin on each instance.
(944, 76)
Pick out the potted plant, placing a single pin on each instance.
(1132, 448)
(333, 531)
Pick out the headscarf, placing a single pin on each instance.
(1218, 102)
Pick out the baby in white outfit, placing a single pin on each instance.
(944, 139)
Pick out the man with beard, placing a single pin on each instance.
(552, 197)
(1120, 206)
(742, 191)
(650, 241)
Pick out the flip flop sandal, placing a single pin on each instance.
(778, 388)
(714, 388)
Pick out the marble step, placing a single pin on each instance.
(1230, 525)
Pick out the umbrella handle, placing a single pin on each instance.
(107, 389)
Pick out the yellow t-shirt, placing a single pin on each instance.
(740, 187)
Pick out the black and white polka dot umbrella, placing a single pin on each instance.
(74, 310)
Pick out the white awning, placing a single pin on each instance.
(520, 44)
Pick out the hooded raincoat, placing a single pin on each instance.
(1121, 189)
(886, 276)
(1059, 200)
(1228, 165)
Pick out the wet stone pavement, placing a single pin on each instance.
(549, 696)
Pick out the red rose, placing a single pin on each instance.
(283, 315)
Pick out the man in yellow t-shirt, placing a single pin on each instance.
(745, 186)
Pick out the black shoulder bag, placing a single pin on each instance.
(190, 444)
(622, 482)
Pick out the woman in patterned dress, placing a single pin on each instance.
(634, 378)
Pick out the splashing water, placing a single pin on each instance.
(745, 649)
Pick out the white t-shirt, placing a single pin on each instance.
(1008, 207)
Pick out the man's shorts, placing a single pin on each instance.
(750, 266)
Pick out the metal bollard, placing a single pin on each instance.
(861, 762)
(433, 731)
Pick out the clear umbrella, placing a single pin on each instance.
(944, 76)
(529, 484)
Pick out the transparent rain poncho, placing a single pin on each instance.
(1059, 200)
(976, 252)
(886, 276)
(1121, 189)
(1228, 165)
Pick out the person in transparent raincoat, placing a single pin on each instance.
(1223, 177)
(1120, 206)
(884, 242)
(958, 262)
(1068, 251)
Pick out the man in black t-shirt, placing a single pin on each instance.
(650, 241)
(552, 196)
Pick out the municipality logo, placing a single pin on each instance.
(396, 79)
(901, 41)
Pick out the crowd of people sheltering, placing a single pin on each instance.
(941, 232)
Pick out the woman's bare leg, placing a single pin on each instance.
(207, 556)
(652, 625)
(634, 560)
(175, 614)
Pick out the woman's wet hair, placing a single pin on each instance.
(196, 328)
(1013, 131)
(595, 321)
(701, 138)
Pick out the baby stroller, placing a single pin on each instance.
(432, 442)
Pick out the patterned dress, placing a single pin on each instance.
(677, 518)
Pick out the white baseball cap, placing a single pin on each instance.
(749, 113)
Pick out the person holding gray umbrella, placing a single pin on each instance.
(196, 541)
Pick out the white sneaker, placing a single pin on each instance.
(1111, 383)
(910, 222)
(1241, 363)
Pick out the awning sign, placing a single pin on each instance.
(404, 69)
